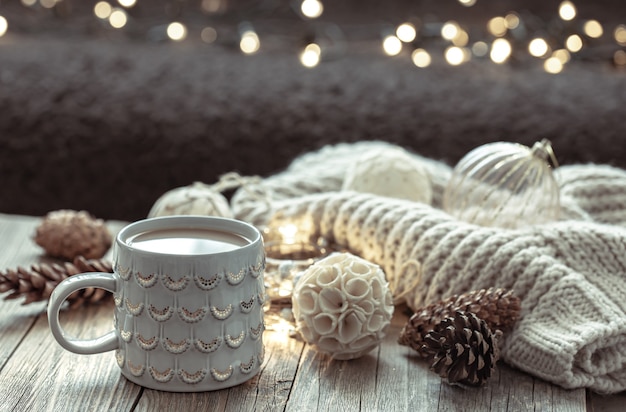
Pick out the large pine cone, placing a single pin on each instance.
(67, 233)
(498, 307)
(463, 349)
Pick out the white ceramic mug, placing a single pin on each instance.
(188, 293)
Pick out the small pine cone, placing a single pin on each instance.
(463, 349)
(37, 282)
(66, 234)
(500, 308)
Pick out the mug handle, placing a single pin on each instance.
(64, 289)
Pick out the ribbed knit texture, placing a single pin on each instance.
(569, 274)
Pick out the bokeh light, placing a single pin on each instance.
(118, 18)
(392, 45)
(406, 32)
(497, 26)
(619, 58)
(455, 55)
(421, 58)
(176, 31)
(249, 43)
(574, 43)
(208, 34)
(620, 34)
(467, 3)
(310, 56)
(312, 8)
(538, 47)
(450, 30)
(593, 29)
(127, 3)
(480, 49)
(4, 26)
(553, 65)
(500, 51)
(102, 10)
(567, 10)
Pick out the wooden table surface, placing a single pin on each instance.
(36, 374)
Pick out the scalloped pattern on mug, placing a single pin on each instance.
(192, 378)
(132, 308)
(146, 343)
(118, 300)
(162, 377)
(207, 283)
(192, 317)
(222, 376)
(135, 370)
(256, 332)
(258, 268)
(236, 278)
(126, 335)
(247, 367)
(146, 281)
(175, 347)
(235, 342)
(120, 357)
(222, 314)
(208, 347)
(247, 305)
(123, 272)
(161, 315)
(175, 285)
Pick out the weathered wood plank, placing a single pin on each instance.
(606, 403)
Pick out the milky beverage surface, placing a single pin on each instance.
(187, 241)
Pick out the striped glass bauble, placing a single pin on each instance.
(506, 185)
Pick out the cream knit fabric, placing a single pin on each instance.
(569, 274)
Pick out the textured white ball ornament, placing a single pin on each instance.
(342, 305)
(392, 172)
(195, 199)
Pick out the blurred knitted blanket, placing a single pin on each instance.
(568, 274)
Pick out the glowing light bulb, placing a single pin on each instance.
(450, 30)
(553, 65)
(392, 45)
(480, 48)
(467, 3)
(538, 47)
(497, 26)
(620, 34)
(567, 10)
(455, 55)
(118, 18)
(421, 58)
(249, 43)
(593, 29)
(310, 56)
(574, 43)
(312, 8)
(127, 3)
(102, 10)
(406, 32)
(500, 51)
(4, 25)
(176, 31)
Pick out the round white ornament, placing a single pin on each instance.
(391, 172)
(342, 305)
(195, 199)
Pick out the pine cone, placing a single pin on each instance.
(66, 234)
(463, 349)
(37, 282)
(498, 307)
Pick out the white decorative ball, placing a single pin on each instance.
(195, 199)
(342, 305)
(392, 172)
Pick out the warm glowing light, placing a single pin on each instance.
(574, 43)
(118, 18)
(421, 58)
(553, 65)
(563, 55)
(288, 233)
(455, 56)
(497, 26)
(4, 25)
(467, 3)
(406, 32)
(619, 58)
(47, 4)
(538, 47)
(480, 48)
(567, 11)
(620, 34)
(593, 29)
(500, 51)
(310, 57)
(312, 8)
(176, 31)
(450, 30)
(461, 39)
(208, 34)
(127, 3)
(102, 10)
(511, 21)
(249, 43)
(392, 45)
(29, 3)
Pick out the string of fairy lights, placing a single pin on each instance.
(511, 37)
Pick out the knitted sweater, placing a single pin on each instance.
(569, 274)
